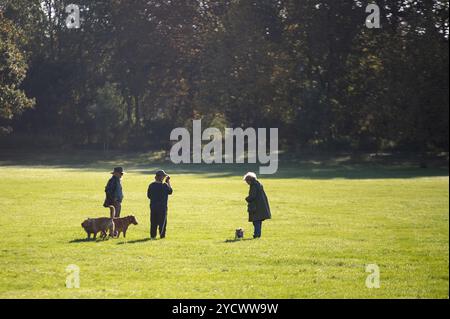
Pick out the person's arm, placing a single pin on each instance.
(118, 194)
(252, 193)
(149, 191)
(110, 188)
(168, 186)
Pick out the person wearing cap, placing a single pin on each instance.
(158, 192)
(257, 204)
(113, 190)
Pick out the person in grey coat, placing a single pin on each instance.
(258, 204)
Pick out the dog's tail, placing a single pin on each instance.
(112, 214)
(112, 211)
(112, 228)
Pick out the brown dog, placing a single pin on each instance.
(95, 225)
(122, 224)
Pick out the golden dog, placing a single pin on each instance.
(96, 225)
(121, 225)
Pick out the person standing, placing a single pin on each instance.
(114, 193)
(158, 192)
(257, 204)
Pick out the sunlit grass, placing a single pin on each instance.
(323, 234)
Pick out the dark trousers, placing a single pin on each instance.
(158, 220)
(258, 228)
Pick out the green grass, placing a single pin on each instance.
(328, 224)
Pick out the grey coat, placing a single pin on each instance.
(258, 204)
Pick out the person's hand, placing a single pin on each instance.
(168, 179)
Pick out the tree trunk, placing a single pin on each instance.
(129, 111)
(137, 112)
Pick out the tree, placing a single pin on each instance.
(107, 116)
(310, 68)
(13, 68)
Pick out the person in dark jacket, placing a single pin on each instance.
(158, 192)
(113, 190)
(258, 204)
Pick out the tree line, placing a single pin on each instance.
(134, 70)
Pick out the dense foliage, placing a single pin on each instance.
(136, 69)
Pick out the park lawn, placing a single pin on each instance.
(325, 230)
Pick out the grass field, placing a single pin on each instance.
(329, 222)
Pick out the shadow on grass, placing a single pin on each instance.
(231, 241)
(309, 171)
(85, 240)
(326, 166)
(144, 240)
